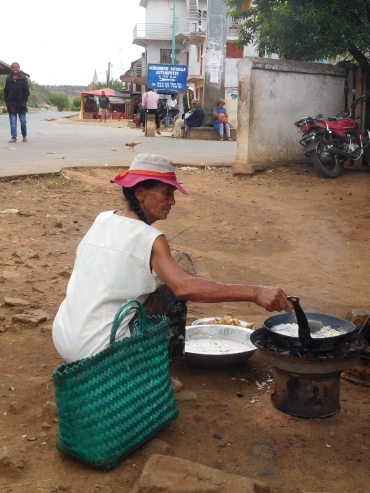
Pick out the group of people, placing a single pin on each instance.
(16, 94)
(193, 114)
(194, 118)
(153, 103)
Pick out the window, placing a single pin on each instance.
(232, 51)
(165, 56)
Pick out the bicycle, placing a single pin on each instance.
(167, 123)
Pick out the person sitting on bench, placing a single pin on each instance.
(195, 119)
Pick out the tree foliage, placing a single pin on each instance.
(76, 102)
(115, 84)
(61, 101)
(306, 30)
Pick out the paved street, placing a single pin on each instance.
(52, 146)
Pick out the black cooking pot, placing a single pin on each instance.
(347, 331)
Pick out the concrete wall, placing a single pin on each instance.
(231, 98)
(250, 50)
(160, 11)
(272, 95)
(231, 72)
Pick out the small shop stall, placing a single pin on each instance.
(90, 104)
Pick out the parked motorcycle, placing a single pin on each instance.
(333, 141)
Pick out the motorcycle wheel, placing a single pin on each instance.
(330, 165)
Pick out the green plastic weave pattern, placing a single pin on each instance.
(111, 403)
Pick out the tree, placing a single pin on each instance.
(77, 102)
(1, 94)
(307, 30)
(115, 84)
(61, 101)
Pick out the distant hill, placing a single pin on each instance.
(40, 93)
(70, 91)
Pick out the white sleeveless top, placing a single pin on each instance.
(112, 265)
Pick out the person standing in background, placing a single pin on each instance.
(186, 101)
(103, 106)
(150, 103)
(16, 94)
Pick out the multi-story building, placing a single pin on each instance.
(155, 35)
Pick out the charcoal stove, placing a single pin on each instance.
(306, 383)
(306, 370)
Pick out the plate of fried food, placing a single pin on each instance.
(224, 320)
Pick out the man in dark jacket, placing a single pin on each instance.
(195, 119)
(16, 93)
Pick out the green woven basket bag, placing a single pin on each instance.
(111, 403)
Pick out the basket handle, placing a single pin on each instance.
(120, 316)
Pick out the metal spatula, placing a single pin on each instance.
(314, 325)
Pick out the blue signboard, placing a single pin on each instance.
(161, 76)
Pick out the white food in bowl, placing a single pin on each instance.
(292, 331)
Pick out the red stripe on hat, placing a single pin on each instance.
(169, 174)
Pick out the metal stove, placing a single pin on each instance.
(307, 383)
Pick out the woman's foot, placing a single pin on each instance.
(143, 130)
(12, 141)
(24, 139)
(158, 132)
(176, 384)
(221, 140)
(230, 140)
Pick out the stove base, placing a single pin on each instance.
(306, 396)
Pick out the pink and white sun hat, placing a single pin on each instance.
(149, 167)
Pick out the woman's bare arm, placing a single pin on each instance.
(191, 288)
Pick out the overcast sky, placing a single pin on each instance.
(64, 42)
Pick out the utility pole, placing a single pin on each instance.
(108, 74)
(173, 33)
(214, 57)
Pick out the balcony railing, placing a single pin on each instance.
(186, 26)
(149, 31)
(146, 32)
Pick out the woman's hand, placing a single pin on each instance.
(272, 299)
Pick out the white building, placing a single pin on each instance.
(155, 35)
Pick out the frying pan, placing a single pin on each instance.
(304, 339)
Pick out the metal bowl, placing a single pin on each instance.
(206, 321)
(217, 332)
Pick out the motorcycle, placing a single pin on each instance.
(333, 141)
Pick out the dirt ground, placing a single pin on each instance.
(288, 227)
